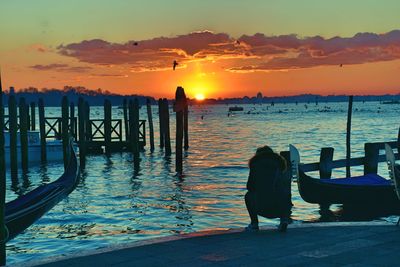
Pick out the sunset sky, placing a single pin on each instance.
(224, 48)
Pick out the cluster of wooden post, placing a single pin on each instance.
(27, 123)
(23, 134)
(131, 117)
(182, 129)
(131, 122)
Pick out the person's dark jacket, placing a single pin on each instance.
(271, 185)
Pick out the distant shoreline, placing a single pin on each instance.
(53, 97)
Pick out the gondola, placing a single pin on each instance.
(26, 209)
(370, 191)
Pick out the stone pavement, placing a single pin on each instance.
(322, 244)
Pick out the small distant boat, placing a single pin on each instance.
(54, 148)
(391, 102)
(235, 108)
(26, 209)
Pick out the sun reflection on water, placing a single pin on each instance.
(116, 203)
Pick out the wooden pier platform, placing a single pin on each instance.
(319, 244)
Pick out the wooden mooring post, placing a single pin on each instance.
(88, 126)
(107, 126)
(13, 127)
(371, 159)
(166, 130)
(325, 162)
(150, 119)
(72, 118)
(348, 134)
(42, 128)
(33, 116)
(28, 116)
(81, 133)
(3, 232)
(325, 172)
(161, 121)
(186, 125)
(23, 133)
(126, 121)
(130, 120)
(64, 127)
(179, 107)
(134, 130)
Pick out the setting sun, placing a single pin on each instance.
(199, 97)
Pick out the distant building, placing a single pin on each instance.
(12, 90)
(259, 95)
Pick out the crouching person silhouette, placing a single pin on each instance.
(269, 189)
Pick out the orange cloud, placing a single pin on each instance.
(257, 52)
(153, 54)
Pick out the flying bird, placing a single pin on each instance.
(175, 64)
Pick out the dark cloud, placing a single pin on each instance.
(266, 52)
(61, 68)
(294, 52)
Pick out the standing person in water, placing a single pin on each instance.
(269, 192)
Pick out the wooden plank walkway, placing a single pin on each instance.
(322, 244)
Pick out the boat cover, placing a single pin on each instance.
(368, 179)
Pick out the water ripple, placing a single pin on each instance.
(114, 203)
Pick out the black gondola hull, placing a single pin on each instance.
(25, 210)
(315, 191)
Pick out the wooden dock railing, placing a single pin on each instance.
(369, 161)
(53, 126)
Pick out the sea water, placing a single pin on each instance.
(114, 203)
